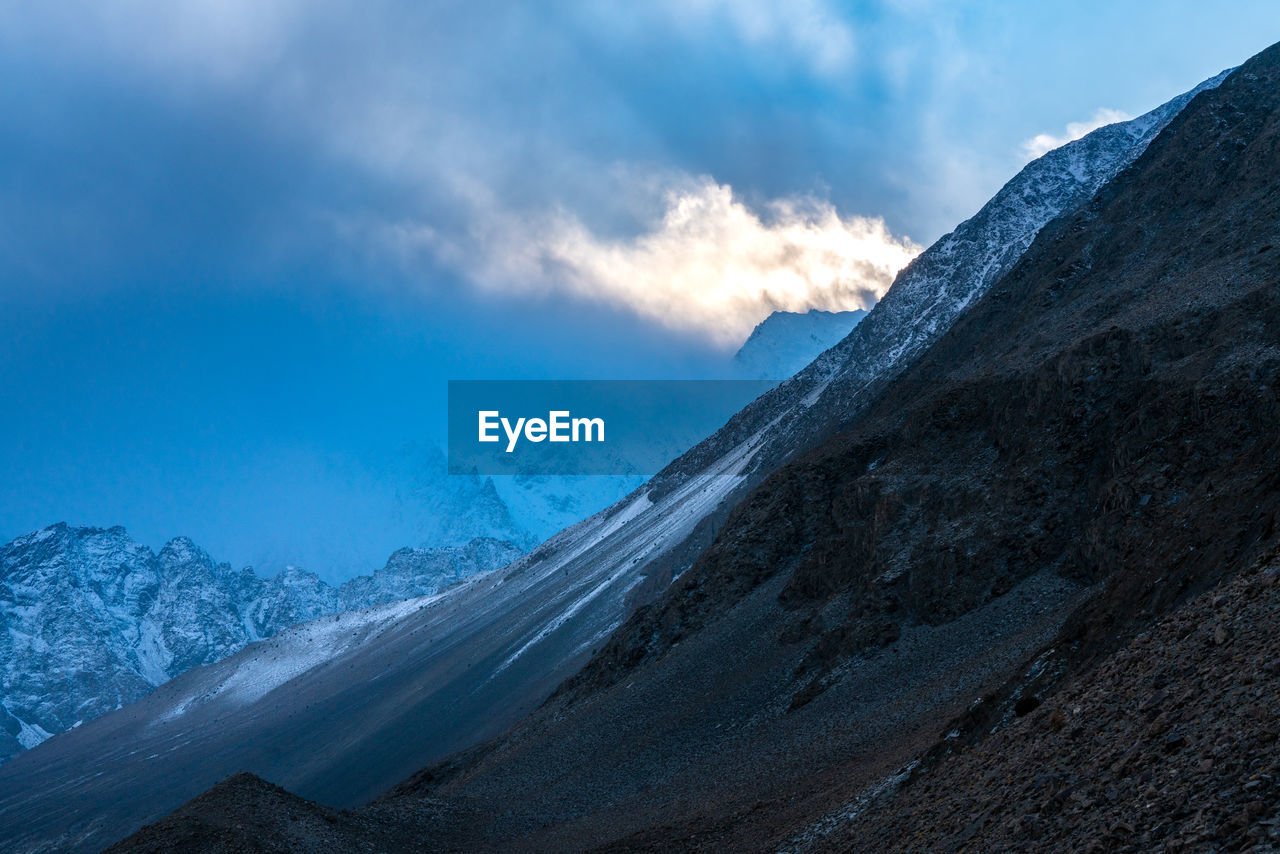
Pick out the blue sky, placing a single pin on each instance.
(243, 244)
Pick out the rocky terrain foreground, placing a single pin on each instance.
(1169, 745)
(1025, 599)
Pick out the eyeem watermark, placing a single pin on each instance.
(577, 427)
(558, 427)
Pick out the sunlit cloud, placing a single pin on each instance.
(1043, 143)
(710, 265)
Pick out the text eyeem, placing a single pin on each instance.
(558, 426)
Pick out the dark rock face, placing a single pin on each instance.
(926, 298)
(1026, 507)
(1108, 407)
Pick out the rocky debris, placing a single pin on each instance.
(1170, 744)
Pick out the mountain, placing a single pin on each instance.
(420, 572)
(467, 665)
(95, 620)
(1183, 707)
(786, 341)
(546, 505)
(1023, 600)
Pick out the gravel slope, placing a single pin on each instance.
(1171, 744)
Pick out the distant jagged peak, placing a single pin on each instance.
(98, 619)
(67, 531)
(181, 551)
(786, 341)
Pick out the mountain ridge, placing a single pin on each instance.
(96, 620)
(1090, 446)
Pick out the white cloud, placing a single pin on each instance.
(809, 29)
(1043, 143)
(711, 265)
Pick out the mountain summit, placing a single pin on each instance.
(786, 341)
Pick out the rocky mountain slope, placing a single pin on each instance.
(94, 620)
(469, 664)
(928, 296)
(1090, 446)
(786, 341)
(1169, 745)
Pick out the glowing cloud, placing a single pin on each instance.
(710, 265)
(1043, 143)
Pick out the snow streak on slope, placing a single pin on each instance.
(274, 662)
(641, 531)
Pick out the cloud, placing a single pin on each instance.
(521, 182)
(710, 265)
(809, 29)
(220, 41)
(1043, 143)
